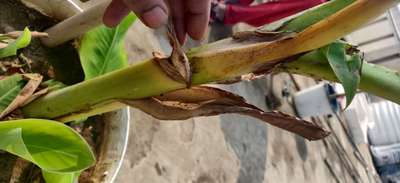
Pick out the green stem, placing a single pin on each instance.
(375, 79)
(218, 61)
(138, 81)
(93, 111)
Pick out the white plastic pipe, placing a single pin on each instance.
(57, 9)
(75, 25)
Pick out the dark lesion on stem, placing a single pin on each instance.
(260, 35)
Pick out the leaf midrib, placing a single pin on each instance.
(109, 51)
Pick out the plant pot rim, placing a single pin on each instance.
(114, 145)
(125, 144)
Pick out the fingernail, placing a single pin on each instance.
(155, 17)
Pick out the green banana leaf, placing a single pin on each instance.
(54, 147)
(10, 87)
(60, 178)
(22, 42)
(102, 49)
(347, 68)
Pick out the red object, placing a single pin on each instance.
(265, 13)
(245, 2)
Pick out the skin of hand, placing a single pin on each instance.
(190, 17)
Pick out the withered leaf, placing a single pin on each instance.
(3, 45)
(177, 66)
(25, 94)
(44, 88)
(35, 95)
(207, 101)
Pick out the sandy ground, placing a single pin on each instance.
(232, 148)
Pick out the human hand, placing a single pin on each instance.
(190, 17)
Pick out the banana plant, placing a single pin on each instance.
(266, 49)
(57, 149)
(170, 87)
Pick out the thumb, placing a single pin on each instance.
(115, 12)
(152, 13)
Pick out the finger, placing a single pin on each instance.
(178, 17)
(153, 13)
(197, 17)
(115, 12)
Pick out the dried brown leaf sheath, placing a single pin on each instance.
(177, 66)
(207, 101)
